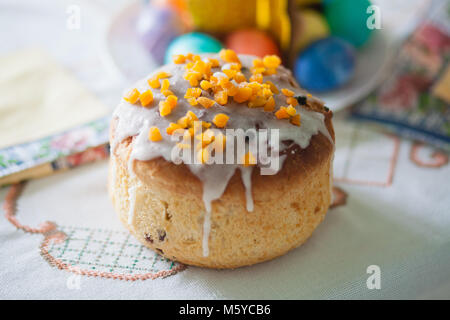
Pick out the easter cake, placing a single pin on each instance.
(172, 191)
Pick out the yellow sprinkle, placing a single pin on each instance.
(257, 102)
(220, 120)
(183, 145)
(154, 83)
(179, 59)
(270, 105)
(165, 85)
(292, 101)
(154, 134)
(164, 108)
(206, 102)
(172, 101)
(287, 92)
(205, 84)
(183, 122)
(229, 55)
(291, 110)
(258, 63)
(273, 87)
(132, 96)
(272, 61)
(172, 127)
(146, 98)
(167, 93)
(221, 97)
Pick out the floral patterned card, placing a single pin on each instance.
(82, 144)
(414, 101)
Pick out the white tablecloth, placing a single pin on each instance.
(397, 217)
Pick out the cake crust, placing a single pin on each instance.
(169, 210)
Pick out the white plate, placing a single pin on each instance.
(126, 54)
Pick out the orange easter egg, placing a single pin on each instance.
(252, 41)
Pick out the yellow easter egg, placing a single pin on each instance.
(310, 26)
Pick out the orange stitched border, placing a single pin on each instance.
(49, 230)
(439, 158)
(392, 166)
(340, 197)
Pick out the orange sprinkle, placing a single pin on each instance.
(205, 84)
(270, 105)
(193, 93)
(154, 134)
(282, 113)
(273, 87)
(179, 59)
(229, 55)
(220, 120)
(154, 83)
(206, 102)
(132, 96)
(191, 117)
(214, 62)
(192, 101)
(146, 98)
(167, 93)
(162, 75)
(257, 77)
(271, 61)
(221, 97)
(257, 102)
(296, 120)
(172, 101)
(243, 94)
(172, 127)
(249, 159)
(287, 92)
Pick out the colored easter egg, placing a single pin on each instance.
(325, 65)
(156, 27)
(348, 19)
(251, 41)
(311, 26)
(194, 42)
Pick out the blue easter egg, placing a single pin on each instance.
(156, 28)
(325, 65)
(194, 42)
(348, 19)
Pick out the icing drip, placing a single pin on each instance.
(135, 121)
(246, 174)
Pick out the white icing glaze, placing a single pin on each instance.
(135, 121)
